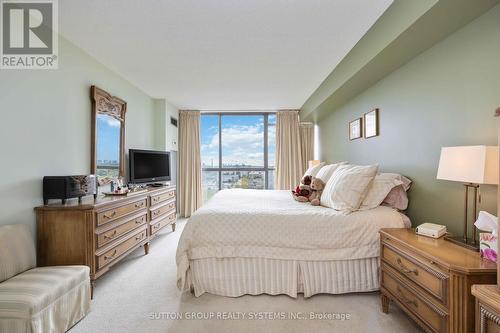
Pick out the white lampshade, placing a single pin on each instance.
(469, 164)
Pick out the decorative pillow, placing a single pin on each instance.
(397, 197)
(347, 187)
(312, 171)
(327, 171)
(379, 189)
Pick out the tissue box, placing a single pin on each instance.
(488, 245)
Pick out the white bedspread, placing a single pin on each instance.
(270, 224)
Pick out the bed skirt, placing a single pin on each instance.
(235, 277)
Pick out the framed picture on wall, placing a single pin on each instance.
(355, 129)
(371, 124)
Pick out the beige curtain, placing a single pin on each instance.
(190, 194)
(306, 143)
(289, 165)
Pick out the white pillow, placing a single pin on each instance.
(327, 171)
(312, 171)
(379, 189)
(347, 187)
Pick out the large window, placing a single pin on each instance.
(237, 151)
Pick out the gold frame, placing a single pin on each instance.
(377, 131)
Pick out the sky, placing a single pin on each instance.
(242, 140)
(108, 138)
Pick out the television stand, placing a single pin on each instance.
(156, 185)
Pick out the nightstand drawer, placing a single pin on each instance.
(434, 277)
(428, 313)
(408, 264)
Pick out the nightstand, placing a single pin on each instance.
(430, 279)
(487, 308)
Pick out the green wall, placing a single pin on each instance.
(45, 126)
(446, 96)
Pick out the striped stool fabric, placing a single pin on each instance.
(41, 299)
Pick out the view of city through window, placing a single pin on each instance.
(108, 148)
(237, 151)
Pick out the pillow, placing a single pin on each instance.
(327, 171)
(379, 189)
(347, 187)
(312, 171)
(397, 197)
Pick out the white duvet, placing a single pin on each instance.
(270, 224)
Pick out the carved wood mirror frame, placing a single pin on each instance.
(105, 103)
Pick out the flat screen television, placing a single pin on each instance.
(148, 166)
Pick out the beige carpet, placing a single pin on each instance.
(140, 295)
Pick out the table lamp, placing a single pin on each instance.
(473, 166)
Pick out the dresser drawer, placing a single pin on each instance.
(122, 227)
(430, 314)
(157, 199)
(431, 280)
(156, 212)
(114, 253)
(163, 222)
(112, 214)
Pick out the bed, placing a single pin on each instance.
(262, 241)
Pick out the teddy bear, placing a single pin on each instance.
(317, 186)
(303, 190)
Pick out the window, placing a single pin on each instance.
(237, 151)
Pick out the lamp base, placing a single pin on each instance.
(459, 240)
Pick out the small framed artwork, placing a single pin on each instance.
(355, 129)
(371, 124)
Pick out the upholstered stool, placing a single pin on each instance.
(38, 299)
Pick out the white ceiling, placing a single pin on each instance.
(221, 54)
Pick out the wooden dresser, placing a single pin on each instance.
(431, 279)
(100, 233)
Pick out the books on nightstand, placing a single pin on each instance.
(431, 230)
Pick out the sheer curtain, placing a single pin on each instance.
(289, 163)
(306, 143)
(190, 194)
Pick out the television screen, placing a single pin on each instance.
(149, 166)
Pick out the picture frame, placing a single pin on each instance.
(356, 129)
(371, 124)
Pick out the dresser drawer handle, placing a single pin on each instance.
(406, 300)
(404, 269)
(156, 226)
(110, 256)
(109, 236)
(156, 212)
(110, 215)
(139, 237)
(139, 205)
(139, 221)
